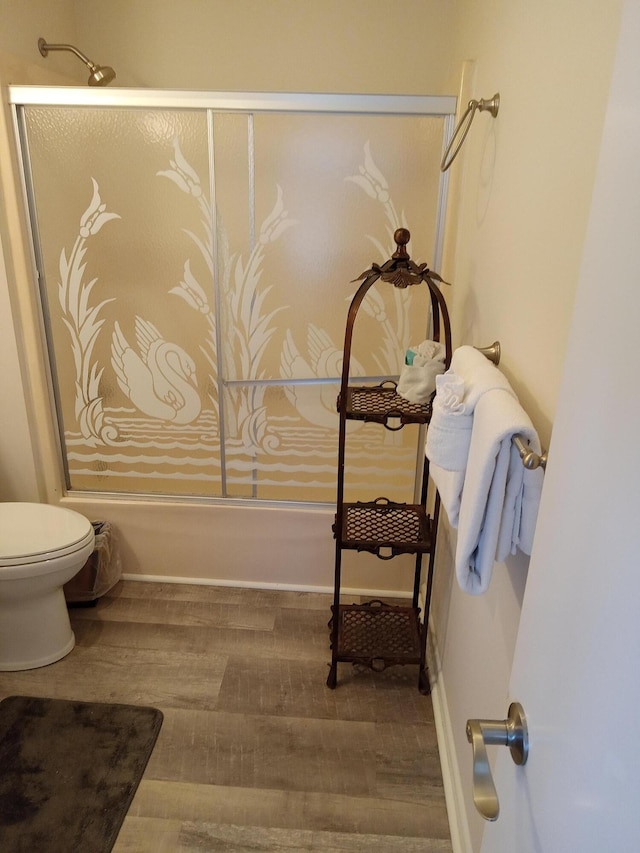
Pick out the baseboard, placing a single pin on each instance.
(286, 587)
(453, 785)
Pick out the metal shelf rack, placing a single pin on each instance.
(376, 634)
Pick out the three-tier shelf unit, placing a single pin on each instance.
(374, 633)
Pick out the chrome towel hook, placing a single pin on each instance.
(483, 105)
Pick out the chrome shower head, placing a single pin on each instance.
(101, 75)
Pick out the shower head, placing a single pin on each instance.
(101, 75)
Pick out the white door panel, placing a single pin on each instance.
(576, 662)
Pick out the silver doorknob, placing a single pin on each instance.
(511, 732)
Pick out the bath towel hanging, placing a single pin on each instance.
(491, 507)
(485, 490)
(478, 376)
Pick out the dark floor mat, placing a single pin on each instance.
(69, 770)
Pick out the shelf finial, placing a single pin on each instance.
(401, 237)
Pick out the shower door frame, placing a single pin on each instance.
(132, 512)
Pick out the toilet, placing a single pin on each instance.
(41, 548)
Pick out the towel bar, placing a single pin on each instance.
(530, 459)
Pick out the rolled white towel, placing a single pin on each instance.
(428, 351)
(417, 383)
(417, 380)
(449, 432)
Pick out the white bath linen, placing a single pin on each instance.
(427, 351)
(478, 373)
(417, 380)
(449, 433)
(449, 485)
(494, 516)
(479, 376)
(527, 505)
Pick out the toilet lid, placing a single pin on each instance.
(31, 532)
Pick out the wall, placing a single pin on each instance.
(21, 25)
(20, 61)
(521, 193)
(280, 45)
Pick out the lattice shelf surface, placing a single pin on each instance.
(382, 524)
(382, 404)
(378, 635)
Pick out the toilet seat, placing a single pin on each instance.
(34, 533)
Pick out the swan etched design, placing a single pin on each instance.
(324, 359)
(160, 379)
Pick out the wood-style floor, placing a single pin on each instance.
(255, 752)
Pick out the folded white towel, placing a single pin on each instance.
(493, 519)
(449, 431)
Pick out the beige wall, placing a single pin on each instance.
(22, 23)
(522, 192)
(272, 45)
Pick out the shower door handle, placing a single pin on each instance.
(511, 732)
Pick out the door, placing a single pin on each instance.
(576, 667)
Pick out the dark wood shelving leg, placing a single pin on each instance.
(423, 682)
(424, 685)
(332, 678)
(424, 672)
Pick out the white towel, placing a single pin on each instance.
(449, 432)
(427, 351)
(449, 485)
(494, 516)
(528, 505)
(417, 380)
(479, 376)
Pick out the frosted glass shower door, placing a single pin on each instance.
(134, 412)
(327, 193)
(196, 270)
